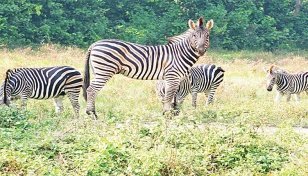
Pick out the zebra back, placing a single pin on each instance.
(41, 83)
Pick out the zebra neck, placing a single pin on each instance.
(283, 82)
(184, 52)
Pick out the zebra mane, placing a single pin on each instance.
(178, 38)
(277, 69)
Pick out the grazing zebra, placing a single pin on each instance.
(170, 62)
(287, 83)
(42, 83)
(202, 78)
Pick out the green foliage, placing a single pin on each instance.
(14, 117)
(239, 24)
(111, 161)
(255, 153)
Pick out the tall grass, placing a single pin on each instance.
(132, 137)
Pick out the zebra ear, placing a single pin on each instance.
(191, 24)
(271, 69)
(209, 24)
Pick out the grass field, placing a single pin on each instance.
(132, 137)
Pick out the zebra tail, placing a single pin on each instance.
(219, 68)
(86, 79)
(5, 87)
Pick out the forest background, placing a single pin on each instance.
(262, 25)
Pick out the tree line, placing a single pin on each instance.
(238, 24)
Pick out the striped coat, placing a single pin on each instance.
(287, 83)
(202, 79)
(170, 62)
(42, 83)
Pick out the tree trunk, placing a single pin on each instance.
(297, 6)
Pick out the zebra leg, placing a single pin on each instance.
(297, 97)
(73, 97)
(96, 85)
(194, 99)
(23, 101)
(210, 96)
(171, 88)
(288, 96)
(278, 96)
(58, 104)
(181, 101)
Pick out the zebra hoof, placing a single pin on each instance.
(90, 113)
(176, 112)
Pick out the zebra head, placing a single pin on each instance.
(271, 77)
(272, 74)
(200, 39)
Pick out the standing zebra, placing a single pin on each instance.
(202, 78)
(42, 83)
(287, 83)
(170, 62)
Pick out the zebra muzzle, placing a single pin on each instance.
(201, 52)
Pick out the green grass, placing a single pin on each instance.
(132, 137)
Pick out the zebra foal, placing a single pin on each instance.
(170, 62)
(201, 79)
(286, 83)
(42, 83)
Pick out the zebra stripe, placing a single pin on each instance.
(202, 79)
(42, 83)
(287, 83)
(170, 62)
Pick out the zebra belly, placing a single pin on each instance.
(47, 92)
(154, 75)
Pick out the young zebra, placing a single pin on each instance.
(42, 83)
(170, 62)
(202, 78)
(287, 83)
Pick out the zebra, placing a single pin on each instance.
(202, 78)
(286, 83)
(42, 83)
(169, 62)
